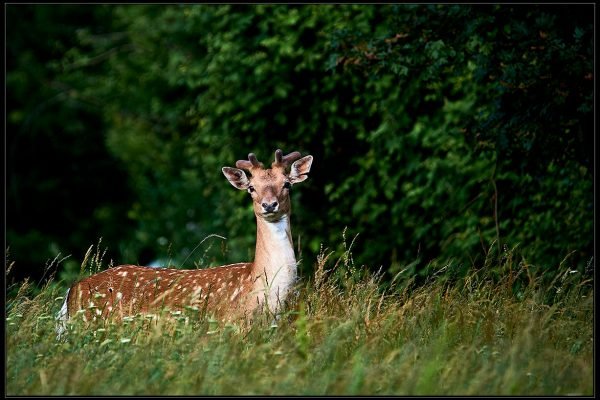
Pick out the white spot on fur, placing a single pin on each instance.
(235, 293)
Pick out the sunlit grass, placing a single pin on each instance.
(344, 332)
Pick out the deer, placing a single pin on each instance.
(227, 292)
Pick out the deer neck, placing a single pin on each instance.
(274, 260)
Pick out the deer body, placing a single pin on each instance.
(227, 292)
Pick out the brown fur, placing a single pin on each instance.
(129, 289)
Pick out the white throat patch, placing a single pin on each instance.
(282, 268)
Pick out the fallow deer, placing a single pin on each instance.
(227, 292)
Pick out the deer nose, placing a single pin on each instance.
(270, 207)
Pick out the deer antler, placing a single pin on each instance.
(285, 161)
(249, 164)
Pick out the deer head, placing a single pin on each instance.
(270, 188)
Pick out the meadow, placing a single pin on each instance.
(495, 330)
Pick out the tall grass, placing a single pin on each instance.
(344, 332)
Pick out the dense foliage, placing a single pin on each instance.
(439, 131)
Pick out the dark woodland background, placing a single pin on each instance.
(439, 132)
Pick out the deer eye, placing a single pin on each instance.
(287, 185)
(250, 189)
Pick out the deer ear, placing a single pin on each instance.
(299, 169)
(236, 177)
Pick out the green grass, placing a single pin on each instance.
(345, 333)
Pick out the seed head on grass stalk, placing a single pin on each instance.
(96, 259)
